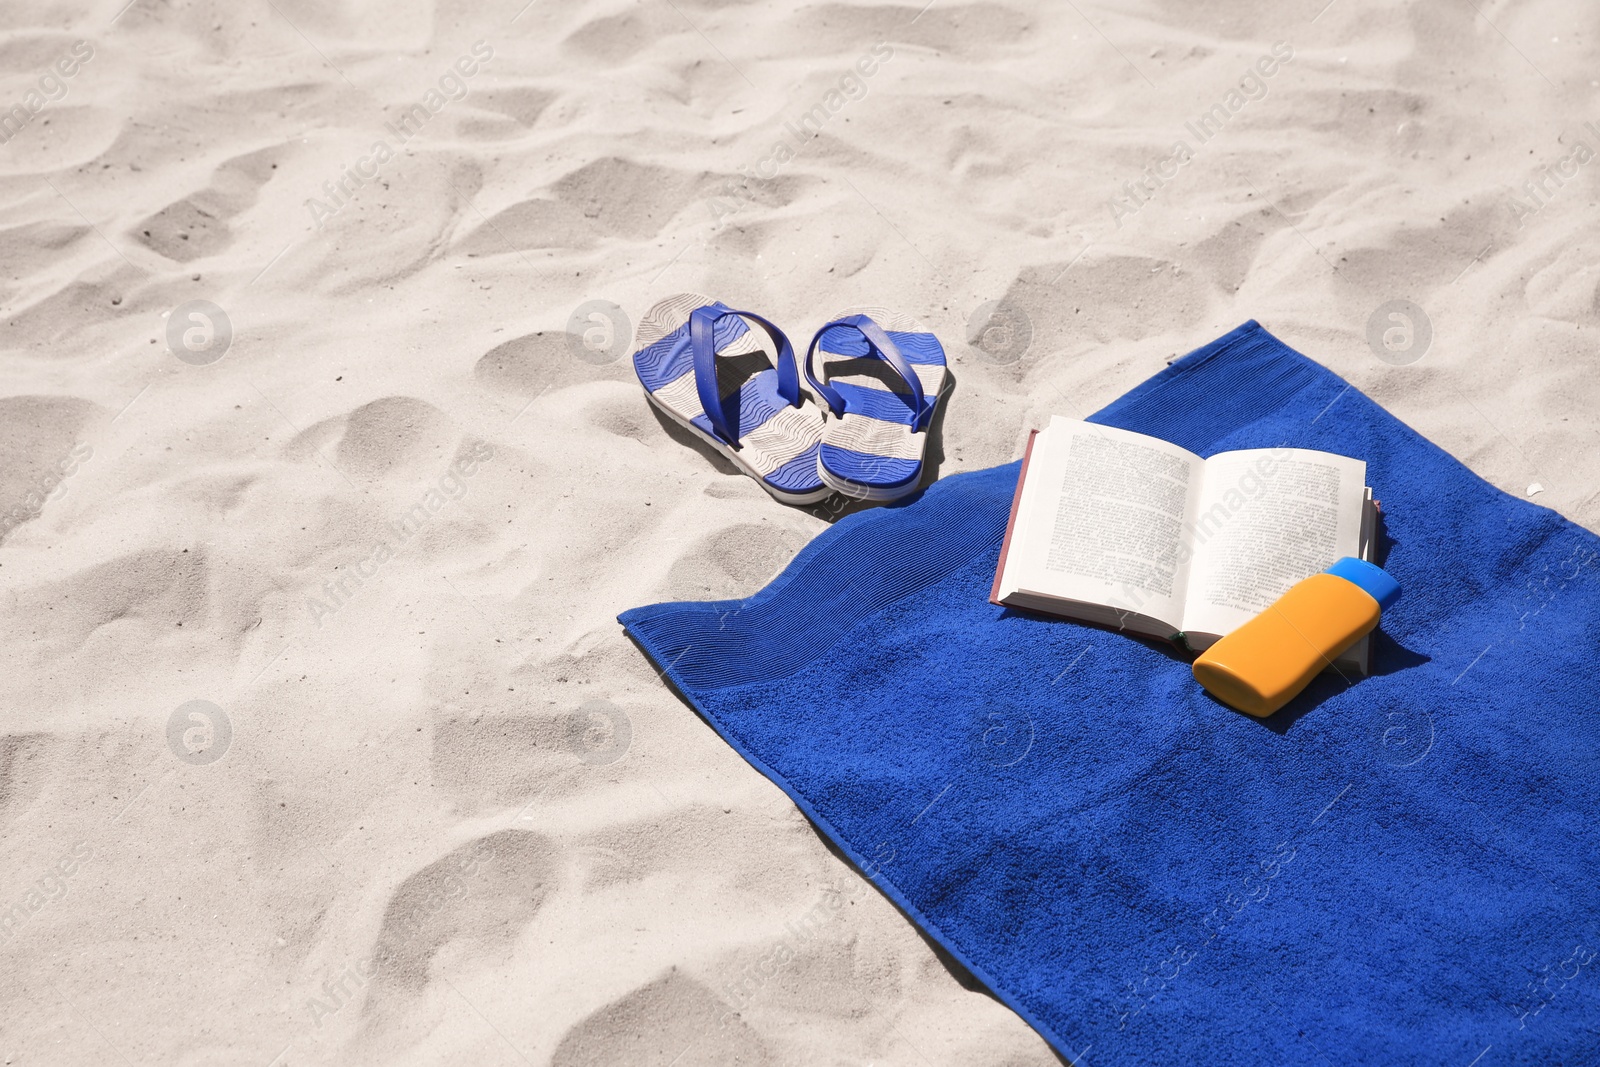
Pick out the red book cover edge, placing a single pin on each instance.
(1011, 523)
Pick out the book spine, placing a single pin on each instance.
(1011, 523)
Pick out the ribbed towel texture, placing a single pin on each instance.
(1398, 871)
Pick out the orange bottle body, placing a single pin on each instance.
(1262, 665)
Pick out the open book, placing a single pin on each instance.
(1124, 530)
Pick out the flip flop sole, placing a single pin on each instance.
(781, 495)
(871, 451)
(778, 442)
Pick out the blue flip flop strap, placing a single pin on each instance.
(884, 347)
(702, 342)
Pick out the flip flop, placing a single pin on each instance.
(706, 370)
(881, 375)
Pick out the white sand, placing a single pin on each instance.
(402, 781)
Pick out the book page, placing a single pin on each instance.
(1267, 518)
(1102, 519)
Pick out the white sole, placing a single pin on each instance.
(856, 491)
(733, 457)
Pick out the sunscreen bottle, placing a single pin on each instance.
(1262, 665)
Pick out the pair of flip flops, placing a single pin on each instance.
(878, 373)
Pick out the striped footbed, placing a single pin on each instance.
(873, 444)
(778, 441)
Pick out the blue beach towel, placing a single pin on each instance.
(1398, 871)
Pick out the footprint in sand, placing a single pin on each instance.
(196, 225)
(537, 364)
(43, 442)
(672, 1020)
(392, 435)
(515, 109)
(485, 891)
(607, 198)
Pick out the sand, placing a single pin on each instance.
(376, 503)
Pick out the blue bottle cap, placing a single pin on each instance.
(1373, 580)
